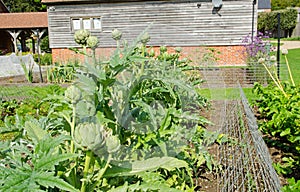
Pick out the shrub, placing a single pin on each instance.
(267, 21)
(46, 58)
(45, 45)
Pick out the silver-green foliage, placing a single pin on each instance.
(131, 122)
(148, 105)
(29, 165)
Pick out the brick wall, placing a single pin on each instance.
(218, 55)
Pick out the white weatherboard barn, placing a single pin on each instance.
(185, 23)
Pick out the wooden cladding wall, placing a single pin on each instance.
(174, 23)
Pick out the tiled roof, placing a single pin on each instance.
(23, 20)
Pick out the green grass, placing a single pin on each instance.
(294, 61)
(22, 92)
(226, 93)
(233, 93)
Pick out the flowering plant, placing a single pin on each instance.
(256, 47)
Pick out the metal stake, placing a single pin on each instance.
(278, 45)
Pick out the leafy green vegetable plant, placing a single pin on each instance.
(279, 108)
(62, 73)
(28, 72)
(127, 124)
(30, 165)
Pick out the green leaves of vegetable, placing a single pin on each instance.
(38, 162)
(140, 167)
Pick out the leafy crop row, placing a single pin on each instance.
(279, 116)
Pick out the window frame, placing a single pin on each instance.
(92, 26)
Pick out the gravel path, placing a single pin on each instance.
(289, 44)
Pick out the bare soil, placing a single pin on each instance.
(19, 79)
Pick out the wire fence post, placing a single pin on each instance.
(278, 45)
(253, 11)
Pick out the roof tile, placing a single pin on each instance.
(23, 20)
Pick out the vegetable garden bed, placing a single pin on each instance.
(135, 123)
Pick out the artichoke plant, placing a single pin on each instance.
(163, 49)
(73, 94)
(178, 49)
(90, 136)
(145, 38)
(152, 53)
(116, 34)
(92, 42)
(81, 37)
(112, 144)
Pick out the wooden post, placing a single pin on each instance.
(14, 35)
(39, 34)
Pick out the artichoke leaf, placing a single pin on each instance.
(126, 168)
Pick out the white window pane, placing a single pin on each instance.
(76, 24)
(97, 23)
(86, 24)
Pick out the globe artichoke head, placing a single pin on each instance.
(92, 42)
(73, 94)
(178, 49)
(152, 53)
(145, 38)
(81, 37)
(90, 136)
(163, 49)
(112, 144)
(116, 34)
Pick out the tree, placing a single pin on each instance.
(24, 5)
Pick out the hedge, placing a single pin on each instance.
(267, 21)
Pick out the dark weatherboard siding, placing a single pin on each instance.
(174, 23)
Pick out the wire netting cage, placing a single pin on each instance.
(245, 161)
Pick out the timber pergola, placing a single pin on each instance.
(33, 23)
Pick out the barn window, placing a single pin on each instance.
(76, 24)
(89, 23)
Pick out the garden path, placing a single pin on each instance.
(289, 44)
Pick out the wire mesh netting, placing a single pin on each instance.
(246, 162)
(225, 77)
(18, 91)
